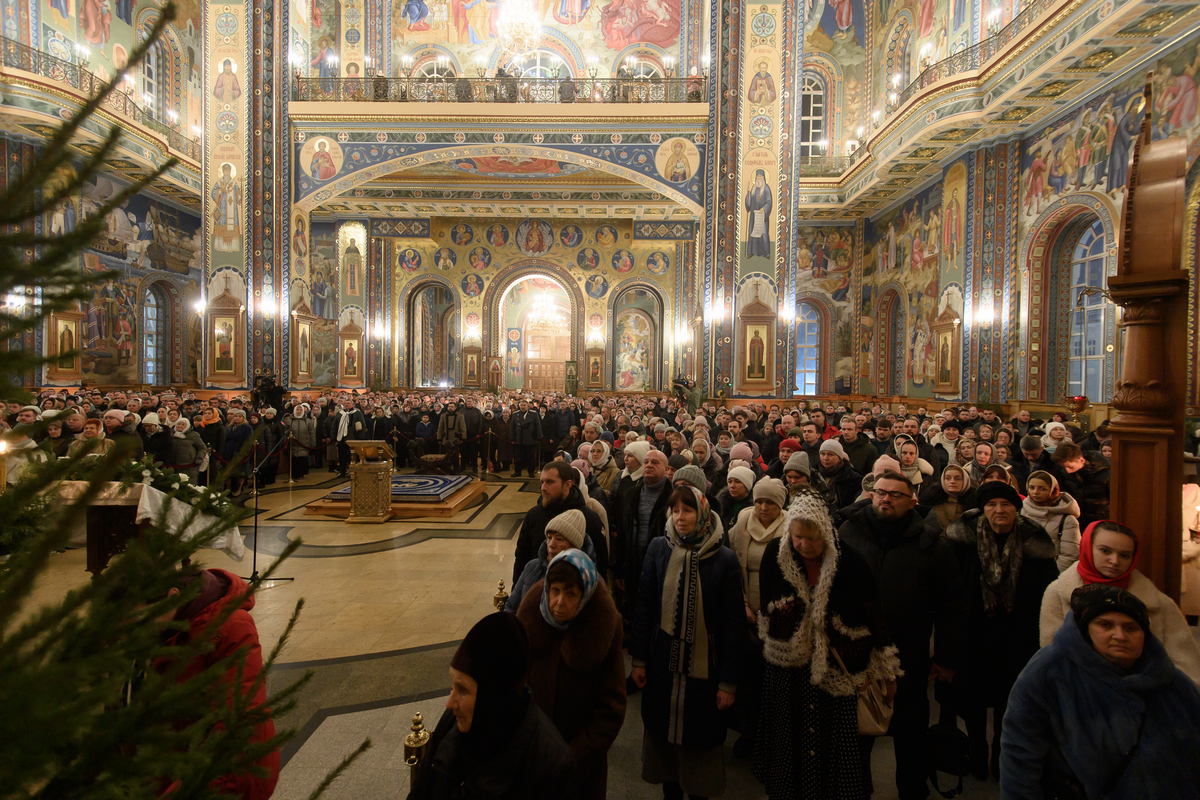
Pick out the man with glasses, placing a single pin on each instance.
(921, 591)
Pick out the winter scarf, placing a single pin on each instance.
(682, 615)
(999, 569)
(975, 468)
(181, 434)
(1048, 442)
(587, 572)
(599, 455)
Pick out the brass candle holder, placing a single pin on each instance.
(501, 596)
(415, 745)
(1075, 405)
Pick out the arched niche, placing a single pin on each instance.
(428, 316)
(497, 289)
(889, 343)
(635, 314)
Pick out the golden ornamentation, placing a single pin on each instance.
(500, 597)
(1015, 114)
(1093, 62)
(926, 152)
(1053, 89)
(415, 745)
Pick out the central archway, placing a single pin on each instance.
(514, 273)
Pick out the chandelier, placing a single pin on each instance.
(544, 316)
(520, 30)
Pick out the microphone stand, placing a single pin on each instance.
(254, 475)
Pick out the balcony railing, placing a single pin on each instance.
(20, 56)
(501, 90)
(973, 57)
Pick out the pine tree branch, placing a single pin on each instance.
(339, 769)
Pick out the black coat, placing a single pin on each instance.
(533, 762)
(525, 429)
(474, 418)
(920, 587)
(533, 531)
(1090, 487)
(379, 429)
(725, 620)
(628, 529)
(999, 646)
(158, 446)
(845, 484)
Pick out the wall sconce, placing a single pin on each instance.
(705, 61)
(787, 316)
(199, 306)
(82, 55)
(380, 330)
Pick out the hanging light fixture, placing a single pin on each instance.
(544, 316)
(520, 30)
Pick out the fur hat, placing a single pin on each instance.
(571, 525)
(834, 446)
(997, 490)
(798, 462)
(744, 475)
(693, 475)
(771, 489)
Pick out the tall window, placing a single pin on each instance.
(540, 64)
(433, 68)
(646, 69)
(1087, 355)
(808, 349)
(154, 338)
(151, 79)
(812, 117)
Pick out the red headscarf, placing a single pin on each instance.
(1087, 566)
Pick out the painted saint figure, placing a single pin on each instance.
(352, 259)
(322, 166)
(299, 246)
(351, 360)
(678, 168)
(759, 201)
(227, 212)
(762, 87)
(226, 88)
(755, 365)
(952, 228)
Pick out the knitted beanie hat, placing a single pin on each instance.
(808, 506)
(771, 489)
(790, 444)
(638, 450)
(997, 490)
(885, 464)
(798, 463)
(742, 451)
(151, 419)
(834, 446)
(570, 525)
(744, 475)
(692, 475)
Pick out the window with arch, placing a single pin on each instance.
(646, 69)
(433, 68)
(808, 349)
(812, 116)
(541, 63)
(1087, 353)
(152, 83)
(155, 334)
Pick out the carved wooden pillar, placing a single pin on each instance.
(1151, 288)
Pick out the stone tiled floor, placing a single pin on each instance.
(385, 606)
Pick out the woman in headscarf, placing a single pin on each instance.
(304, 433)
(998, 472)
(1056, 434)
(577, 668)
(708, 460)
(604, 468)
(237, 436)
(915, 468)
(493, 740)
(983, 457)
(686, 644)
(820, 604)
(948, 499)
(212, 431)
(187, 449)
(501, 440)
(1056, 511)
(755, 529)
(1108, 555)
(1011, 559)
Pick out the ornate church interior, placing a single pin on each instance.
(917, 203)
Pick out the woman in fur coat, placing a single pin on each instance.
(817, 597)
(577, 668)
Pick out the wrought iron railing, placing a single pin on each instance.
(501, 90)
(23, 57)
(973, 57)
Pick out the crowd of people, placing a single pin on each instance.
(760, 564)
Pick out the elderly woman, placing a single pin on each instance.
(91, 440)
(949, 499)
(1107, 556)
(708, 460)
(187, 449)
(604, 468)
(57, 441)
(564, 532)
(755, 528)
(686, 645)
(237, 437)
(823, 632)
(1102, 711)
(1011, 559)
(303, 428)
(577, 668)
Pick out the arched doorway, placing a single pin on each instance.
(433, 337)
(535, 328)
(891, 348)
(636, 340)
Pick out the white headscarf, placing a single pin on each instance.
(180, 434)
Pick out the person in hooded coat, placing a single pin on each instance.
(559, 494)
(577, 666)
(1108, 556)
(604, 468)
(1057, 512)
(218, 590)
(566, 531)
(1101, 711)
(686, 643)
(493, 741)
(187, 449)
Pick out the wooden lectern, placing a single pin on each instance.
(370, 481)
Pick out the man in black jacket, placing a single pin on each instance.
(641, 517)
(525, 433)
(559, 494)
(920, 588)
(345, 426)
(472, 447)
(1032, 458)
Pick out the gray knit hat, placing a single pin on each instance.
(771, 489)
(834, 446)
(693, 475)
(570, 525)
(798, 463)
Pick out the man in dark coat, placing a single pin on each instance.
(525, 432)
(345, 425)
(641, 517)
(559, 494)
(860, 452)
(1087, 476)
(922, 595)
(1033, 456)
(493, 740)
(451, 431)
(472, 447)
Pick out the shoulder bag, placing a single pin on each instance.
(874, 714)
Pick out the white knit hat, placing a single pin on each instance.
(834, 446)
(743, 475)
(151, 419)
(771, 489)
(571, 525)
(638, 450)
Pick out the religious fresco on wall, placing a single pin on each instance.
(633, 344)
(142, 233)
(1088, 148)
(909, 33)
(323, 291)
(352, 267)
(825, 268)
(758, 174)
(470, 30)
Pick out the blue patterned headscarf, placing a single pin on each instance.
(587, 573)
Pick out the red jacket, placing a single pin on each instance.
(238, 631)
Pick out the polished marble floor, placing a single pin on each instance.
(384, 609)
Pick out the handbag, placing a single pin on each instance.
(949, 752)
(874, 713)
